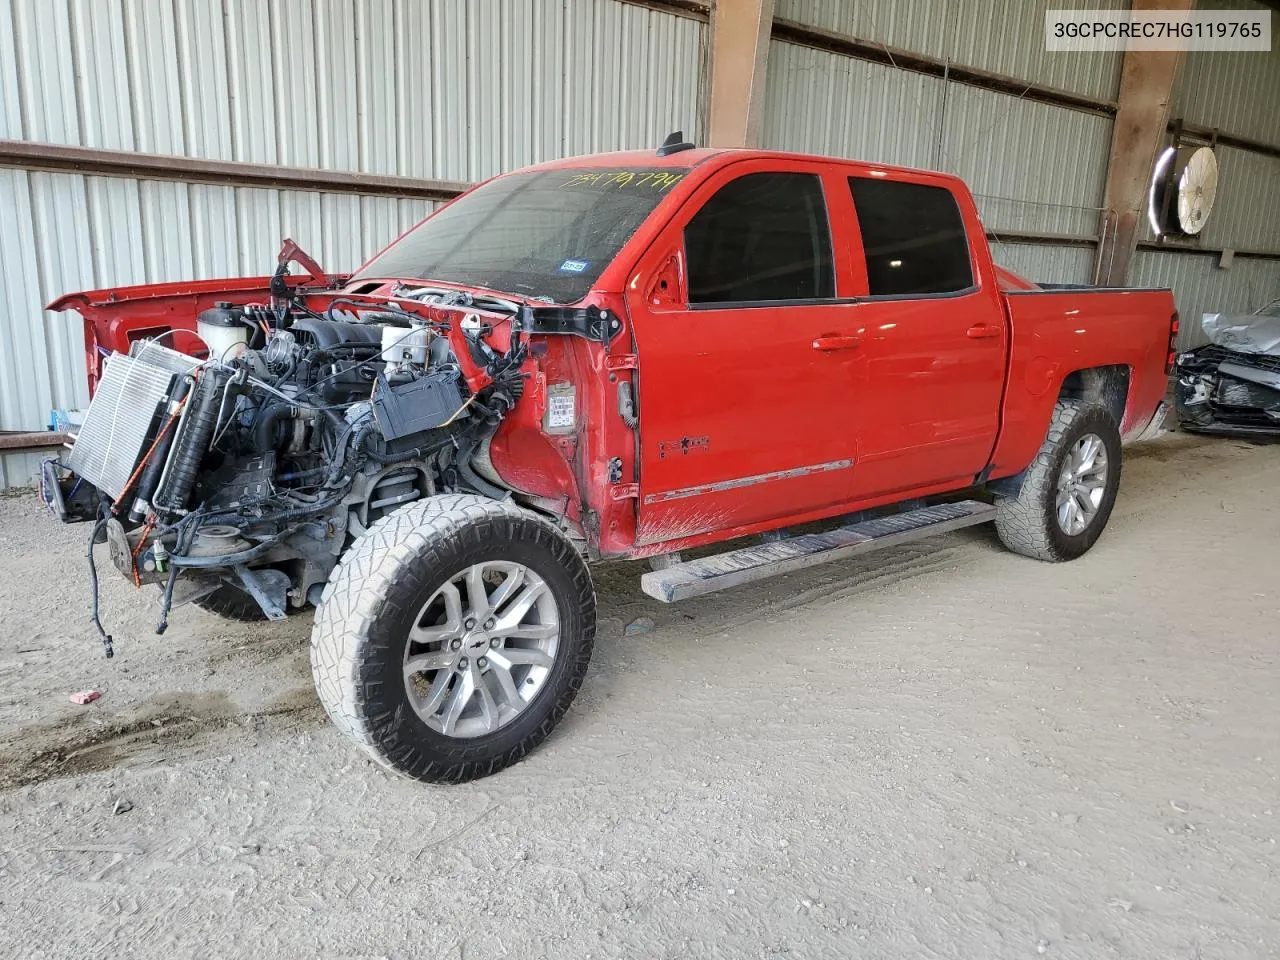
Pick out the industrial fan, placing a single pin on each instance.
(1183, 188)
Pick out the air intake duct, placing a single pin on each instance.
(191, 441)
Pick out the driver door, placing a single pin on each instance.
(748, 357)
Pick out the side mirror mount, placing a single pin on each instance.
(667, 283)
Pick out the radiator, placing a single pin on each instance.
(123, 416)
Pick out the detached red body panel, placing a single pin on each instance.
(699, 419)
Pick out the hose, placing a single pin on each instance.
(473, 479)
(166, 602)
(107, 647)
(264, 431)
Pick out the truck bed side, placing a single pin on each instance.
(1055, 333)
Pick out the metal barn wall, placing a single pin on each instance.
(443, 89)
(999, 36)
(1044, 263)
(825, 103)
(1200, 286)
(434, 89)
(1232, 91)
(1033, 167)
(1246, 210)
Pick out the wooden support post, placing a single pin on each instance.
(1142, 117)
(739, 54)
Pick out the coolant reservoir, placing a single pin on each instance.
(405, 345)
(223, 331)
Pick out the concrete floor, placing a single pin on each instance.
(943, 750)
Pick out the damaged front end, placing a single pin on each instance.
(1231, 386)
(234, 475)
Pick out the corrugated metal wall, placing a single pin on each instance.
(437, 89)
(820, 102)
(1034, 167)
(1000, 36)
(1200, 286)
(1044, 263)
(1232, 91)
(444, 89)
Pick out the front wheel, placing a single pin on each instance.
(1068, 491)
(453, 636)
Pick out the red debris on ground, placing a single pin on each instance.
(85, 696)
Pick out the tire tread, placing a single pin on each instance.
(1023, 523)
(354, 597)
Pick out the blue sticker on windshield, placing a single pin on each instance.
(574, 266)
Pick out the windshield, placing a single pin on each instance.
(1272, 309)
(547, 234)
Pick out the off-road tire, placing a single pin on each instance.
(1028, 523)
(231, 603)
(376, 591)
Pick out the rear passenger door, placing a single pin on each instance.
(747, 356)
(935, 339)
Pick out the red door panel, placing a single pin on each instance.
(747, 409)
(742, 419)
(932, 394)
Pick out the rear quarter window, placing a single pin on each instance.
(913, 238)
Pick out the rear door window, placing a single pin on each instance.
(762, 237)
(913, 238)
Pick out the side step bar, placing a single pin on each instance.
(747, 564)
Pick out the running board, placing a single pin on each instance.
(709, 574)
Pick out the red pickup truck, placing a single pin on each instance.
(618, 356)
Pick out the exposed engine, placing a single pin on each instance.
(251, 469)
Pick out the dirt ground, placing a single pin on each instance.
(943, 750)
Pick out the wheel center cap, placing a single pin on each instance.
(476, 642)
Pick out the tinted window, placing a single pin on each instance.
(912, 236)
(762, 237)
(543, 234)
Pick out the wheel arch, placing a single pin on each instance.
(1104, 386)
(1107, 386)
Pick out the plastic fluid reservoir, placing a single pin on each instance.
(222, 329)
(405, 345)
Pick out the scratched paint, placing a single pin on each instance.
(739, 482)
(651, 535)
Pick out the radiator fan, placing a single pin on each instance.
(1183, 188)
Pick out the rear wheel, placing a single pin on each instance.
(453, 636)
(1070, 488)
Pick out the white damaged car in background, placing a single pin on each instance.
(1232, 384)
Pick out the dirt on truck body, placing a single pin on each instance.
(620, 356)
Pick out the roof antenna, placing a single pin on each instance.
(674, 144)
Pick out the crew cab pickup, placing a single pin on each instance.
(619, 356)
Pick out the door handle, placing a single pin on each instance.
(983, 331)
(828, 344)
